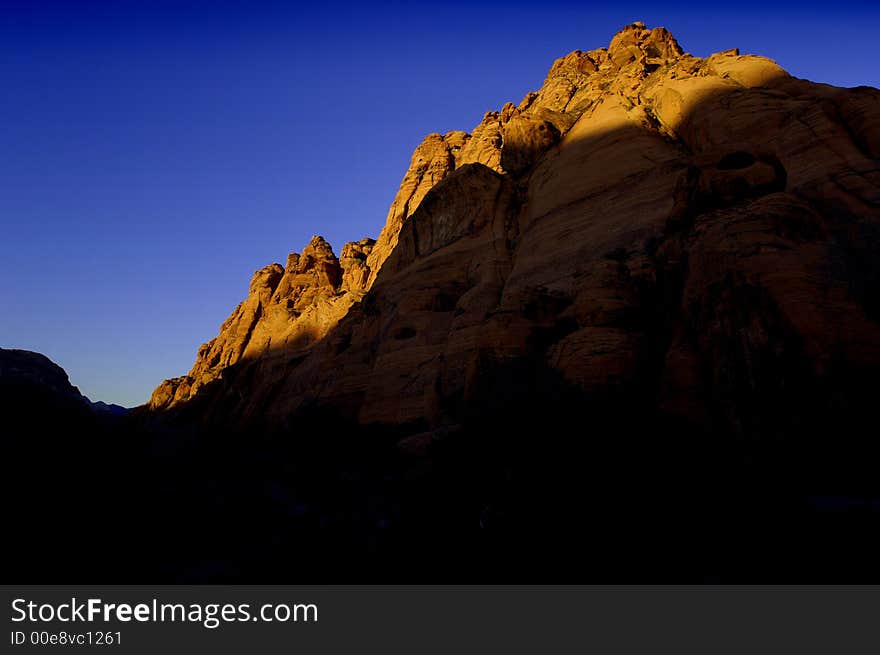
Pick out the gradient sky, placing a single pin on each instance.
(154, 154)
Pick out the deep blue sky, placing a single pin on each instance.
(154, 154)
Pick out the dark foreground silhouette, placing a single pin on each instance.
(539, 484)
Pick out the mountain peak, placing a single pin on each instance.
(648, 225)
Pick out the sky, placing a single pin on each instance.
(153, 155)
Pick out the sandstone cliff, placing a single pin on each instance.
(699, 236)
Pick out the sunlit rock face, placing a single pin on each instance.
(701, 236)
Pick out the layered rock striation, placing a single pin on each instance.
(699, 236)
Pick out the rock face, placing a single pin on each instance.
(287, 308)
(698, 236)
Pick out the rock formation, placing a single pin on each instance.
(287, 307)
(701, 236)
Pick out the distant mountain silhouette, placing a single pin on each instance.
(109, 408)
(31, 379)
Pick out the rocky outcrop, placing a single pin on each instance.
(287, 308)
(433, 160)
(353, 260)
(697, 236)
